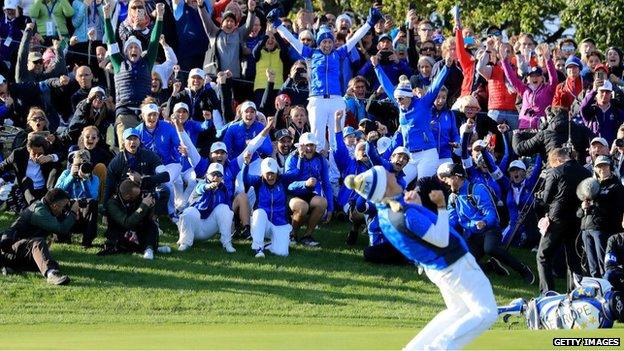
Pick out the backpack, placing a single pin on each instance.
(473, 201)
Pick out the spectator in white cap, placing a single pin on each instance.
(210, 214)
(597, 146)
(602, 117)
(11, 27)
(92, 111)
(161, 137)
(270, 213)
(426, 239)
(396, 163)
(311, 190)
(197, 96)
(344, 23)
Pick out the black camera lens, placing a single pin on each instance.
(619, 142)
(86, 168)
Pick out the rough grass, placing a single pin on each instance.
(204, 298)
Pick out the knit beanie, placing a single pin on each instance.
(404, 89)
(371, 184)
(132, 40)
(324, 33)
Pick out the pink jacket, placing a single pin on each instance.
(534, 102)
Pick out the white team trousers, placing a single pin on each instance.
(262, 228)
(192, 227)
(321, 116)
(422, 164)
(184, 189)
(175, 181)
(470, 307)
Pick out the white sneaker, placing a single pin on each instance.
(183, 247)
(164, 249)
(229, 248)
(259, 253)
(148, 254)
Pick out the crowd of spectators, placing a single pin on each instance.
(241, 119)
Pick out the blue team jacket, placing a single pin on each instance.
(237, 135)
(300, 169)
(444, 130)
(271, 198)
(163, 141)
(347, 165)
(404, 230)
(211, 198)
(464, 213)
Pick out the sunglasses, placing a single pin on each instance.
(427, 49)
(217, 174)
(38, 62)
(37, 119)
(137, 7)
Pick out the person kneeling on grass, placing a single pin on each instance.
(23, 246)
(131, 223)
(212, 213)
(427, 239)
(270, 215)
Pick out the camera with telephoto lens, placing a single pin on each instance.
(86, 168)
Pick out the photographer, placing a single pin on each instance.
(131, 227)
(23, 245)
(92, 111)
(83, 189)
(389, 62)
(296, 85)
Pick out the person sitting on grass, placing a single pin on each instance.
(23, 246)
(212, 213)
(270, 215)
(131, 224)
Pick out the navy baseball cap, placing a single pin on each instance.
(283, 133)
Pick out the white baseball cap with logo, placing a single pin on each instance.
(179, 106)
(218, 145)
(11, 4)
(268, 165)
(215, 167)
(149, 108)
(517, 164)
(307, 138)
(197, 72)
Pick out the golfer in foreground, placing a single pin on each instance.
(426, 239)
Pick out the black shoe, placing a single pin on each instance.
(352, 238)
(309, 241)
(494, 266)
(245, 234)
(7, 271)
(55, 278)
(528, 275)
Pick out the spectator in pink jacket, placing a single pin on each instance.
(537, 94)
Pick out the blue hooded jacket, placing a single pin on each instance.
(163, 140)
(211, 198)
(237, 135)
(300, 169)
(271, 198)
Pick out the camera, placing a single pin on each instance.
(300, 74)
(619, 142)
(86, 168)
(384, 56)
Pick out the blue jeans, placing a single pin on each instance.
(595, 243)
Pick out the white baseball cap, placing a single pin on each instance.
(480, 143)
(307, 138)
(218, 145)
(2, 79)
(149, 108)
(607, 86)
(517, 164)
(401, 150)
(247, 104)
(180, 105)
(215, 167)
(445, 169)
(11, 4)
(603, 141)
(268, 165)
(94, 90)
(197, 72)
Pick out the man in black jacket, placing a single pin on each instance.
(554, 135)
(139, 165)
(35, 170)
(563, 229)
(23, 246)
(614, 261)
(601, 216)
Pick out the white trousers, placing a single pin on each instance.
(192, 227)
(422, 164)
(262, 228)
(321, 116)
(470, 307)
(175, 181)
(184, 189)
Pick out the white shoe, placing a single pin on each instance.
(183, 247)
(148, 254)
(164, 249)
(259, 253)
(229, 248)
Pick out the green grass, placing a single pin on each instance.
(314, 299)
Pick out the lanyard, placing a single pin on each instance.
(50, 9)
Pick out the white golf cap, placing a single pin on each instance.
(2, 79)
(11, 4)
(607, 86)
(307, 138)
(268, 165)
(180, 105)
(218, 145)
(445, 169)
(149, 108)
(215, 167)
(517, 164)
(247, 104)
(383, 144)
(603, 141)
(479, 143)
(401, 150)
(96, 90)
(197, 72)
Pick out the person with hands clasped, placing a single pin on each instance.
(270, 214)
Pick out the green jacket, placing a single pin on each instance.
(38, 221)
(125, 216)
(60, 10)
